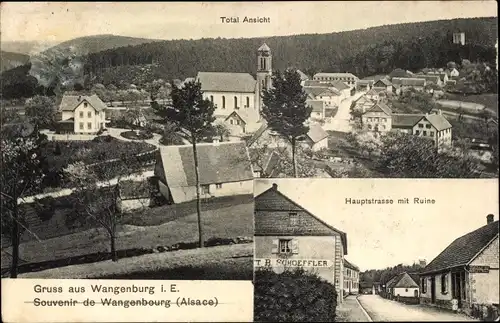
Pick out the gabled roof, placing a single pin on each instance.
(415, 277)
(438, 121)
(303, 76)
(398, 72)
(226, 82)
(335, 75)
(402, 120)
(321, 91)
(464, 249)
(409, 81)
(272, 200)
(241, 113)
(404, 280)
(218, 163)
(317, 105)
(392, 282)
(350, 265)
(316, 133)
(314, 83)
(372, 92)
(386, 82)
(380, 107)
(70, 102)
(339, 85)
(257, 134)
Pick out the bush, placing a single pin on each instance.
(293, 296)
(141, 135)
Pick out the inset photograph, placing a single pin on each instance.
(376, 250)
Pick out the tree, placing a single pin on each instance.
(132, 117)
(194, 116)
(22, 172)
(41, 110)
(170, 135)
(8, 115)
(408, 156)
(285, 109)
(97, 193)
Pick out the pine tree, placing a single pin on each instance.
(285, 109)
(194, 117)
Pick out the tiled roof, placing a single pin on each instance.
(257, 133)
(398, 72)
(316, 133)
(372, 92)
(243, 114)
(336, 75)
(415, 277)
(218, 163)
(409, 81)
(464, 249)
(303, 76)
(392, 282)
(272, 199)
(317, 105)
(339, 85)
(404, 280)
(405, 120)
(438, 121)
(349, 265)
(321, 91)
(70, 102)
(386, 82)
(226, 82)
(380, 107)
(272, 161)
(314, 83)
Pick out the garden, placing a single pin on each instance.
(137, 135)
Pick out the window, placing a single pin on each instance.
(81, 114)
(383, 127)
(424, 133)
(235, 103)
(383, 119)
(444, 284)
(218, 186)
(432, 133)
(97, 113)
(81, 125)
(223, 102)
(89, 125)
(424, 285)
(370, 127)
(406, 289)
(89, 114)
(285, 246)
(428, 126)
(231, 121)
(238, 122)
(212, 98)
(417, 132)
(420, 125)
(294, 218)
(248, 102)
(85, 104)
(205, 189)
(263, 83)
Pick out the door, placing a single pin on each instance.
(433, 290)
(457, 286)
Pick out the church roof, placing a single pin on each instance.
(264, 47)
(226, 82)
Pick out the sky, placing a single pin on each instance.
(60, 21)
(385, 236)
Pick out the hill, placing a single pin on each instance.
(9, 60)
(364, 52)
(376, 50)
(26, 47)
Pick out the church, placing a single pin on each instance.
(237, 97)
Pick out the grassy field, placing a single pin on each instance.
(225, 222)
(234, 262)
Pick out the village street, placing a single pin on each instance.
(381, 309)
(341, 121)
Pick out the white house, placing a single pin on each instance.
(330, 95)
(405, 286)
(348, 78)
(224, 170)
(316, 138)
(82, 114)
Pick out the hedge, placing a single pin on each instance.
(293, 296)
(141, 135)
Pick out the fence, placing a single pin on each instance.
(71, 137)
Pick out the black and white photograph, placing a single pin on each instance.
(376, 250)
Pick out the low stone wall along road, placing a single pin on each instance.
(384, 310)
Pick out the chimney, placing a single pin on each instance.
(275, 186)
(489, 218)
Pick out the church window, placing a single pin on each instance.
(248, 102)
(235, 103)
(212, 98)
(223, 102)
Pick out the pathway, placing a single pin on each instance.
(381, 309)
(342, 120)
(155, 141)
(351, 311)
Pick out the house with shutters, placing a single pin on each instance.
(466, 272)
(351, 278)
(378, 118)
(384, 84)
(81, 114)
(330, 95)
(347, 78)
(403, 84)
(288, 236)
(224, 168)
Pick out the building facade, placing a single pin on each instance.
(378, 118)
(465, 274)
(82, 114)
(351, 278)
(348, 78)
(288, 236)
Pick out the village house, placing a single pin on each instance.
(237, 122)
(224, 170)
(376, 288)
(288, 236)
(403, 84)
(230, 92)
(318, 109)
(134, 195)
(373, 95)
(363, 104)
(384, 84)
(400, 73)
(364, 85)
(465, 275)
(453, 72)
(347, 78)
(431, 79)
(365, 287)
(303, 77)
(82, 114)
(331, 96)
(351, 278)
(405, 286)
(345, 90)
(315, 139)
(265, 164)
(378, 118)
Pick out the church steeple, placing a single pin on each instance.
(264, 59)
(264, 73)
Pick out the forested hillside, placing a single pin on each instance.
(363, 52)
(384, 275)
(9, 60)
